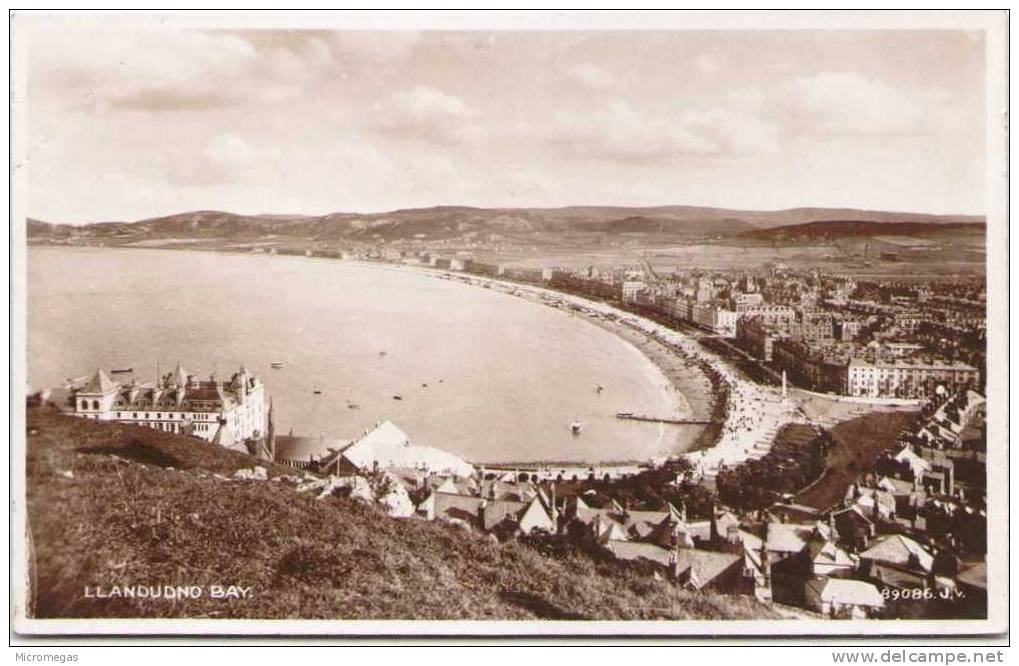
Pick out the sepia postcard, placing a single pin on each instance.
(606, 324)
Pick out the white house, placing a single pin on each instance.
(840, 597)
(227, 411)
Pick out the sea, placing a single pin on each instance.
(486, 375)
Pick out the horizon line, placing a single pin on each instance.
(537, 207)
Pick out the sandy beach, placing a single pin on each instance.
(749, 414)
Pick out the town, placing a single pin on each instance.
(845, 474)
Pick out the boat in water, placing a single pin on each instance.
(121, 371)
(277, 365)
(576, 427)
(317, 392)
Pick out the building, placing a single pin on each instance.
(227, 412)
(904, 378)
(757, 337)
(809, 366)
(837, 597)
(693, 569)
(872, 371)
(813, 325)
(716, 319)
(630, 290)
(746, 301)
(305, 452)
(384, 446)
(781, 317)
(505, 518)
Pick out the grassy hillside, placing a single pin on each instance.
(858, 443)
(826, 230)
(113, 504)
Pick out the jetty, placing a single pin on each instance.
(660, 419)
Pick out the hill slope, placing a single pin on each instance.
(822, 230)
(112, 504)
(445, 222)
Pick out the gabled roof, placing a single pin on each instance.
(901, 550)
(826, 552)
(389, 446)
(463, 507)
(100, 383)
(635, 550)
(896, 486)
(498, 511)
(503, 490)
(974, 575)
(889, 574)
(179, 377)
(915, 462)
(469, 508)
(704, 566)
(788, 537)
(845, 591)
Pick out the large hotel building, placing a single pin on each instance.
(225, 412)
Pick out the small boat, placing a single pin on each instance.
(317, 392)
(396, 397)
(598, 389)
(382, 353)
(121, 371)
(277, 365)
(353, 405)
(424, 385)
(576, 427)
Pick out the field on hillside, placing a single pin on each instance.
(112, 504)
(858, 443)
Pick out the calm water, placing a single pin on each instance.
(505, 377)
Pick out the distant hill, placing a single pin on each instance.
(450, 222)
(828, 230)
(672, 226)
(155, 508)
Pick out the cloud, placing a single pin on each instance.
(165, 70)
(375, 47)
(223, 159)
(619, 132)
(591, 77)
(172, 99)
(132, 59)
(847, 102)
(426, 114)
(735, 132)
(228, 150)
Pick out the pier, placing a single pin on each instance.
(660, 419)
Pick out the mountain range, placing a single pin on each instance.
(450, 222)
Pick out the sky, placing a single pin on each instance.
(124, 124)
